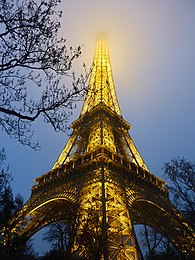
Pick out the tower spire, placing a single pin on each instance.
(101, 88)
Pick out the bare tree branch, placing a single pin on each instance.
(33, 63)
(181, 176)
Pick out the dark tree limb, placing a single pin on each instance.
(33, 57)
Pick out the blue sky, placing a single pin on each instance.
(152, 51)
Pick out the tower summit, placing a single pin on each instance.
(101, 84)
(102, 181)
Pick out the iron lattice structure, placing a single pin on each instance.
(101, 168)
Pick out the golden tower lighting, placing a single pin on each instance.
(101, 172)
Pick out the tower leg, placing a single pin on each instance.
(111, 232)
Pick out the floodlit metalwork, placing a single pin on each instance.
(101, 85)
(101, 170)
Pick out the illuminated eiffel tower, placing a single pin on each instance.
(100, 168)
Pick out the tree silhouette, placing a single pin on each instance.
(180, 174)
(33, 62)
(9, 205)
(62, 234)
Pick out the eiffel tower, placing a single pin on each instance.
(101, 168)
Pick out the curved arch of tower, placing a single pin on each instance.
(100, 168)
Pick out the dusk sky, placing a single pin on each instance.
(152, 51)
